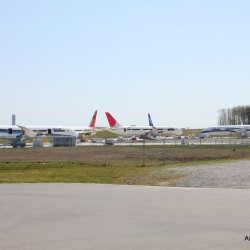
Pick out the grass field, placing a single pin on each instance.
(114, 165)
(78, 173)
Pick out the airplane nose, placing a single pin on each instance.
(73, 133)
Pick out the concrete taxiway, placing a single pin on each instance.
(89, 216)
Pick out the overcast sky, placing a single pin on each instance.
(180, 61)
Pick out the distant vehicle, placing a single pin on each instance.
(109, 142)
(147, 131)
(243, 130)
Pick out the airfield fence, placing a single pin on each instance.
(145, 153)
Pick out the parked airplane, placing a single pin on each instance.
(18, 134)
(148, 131)
(243, 130)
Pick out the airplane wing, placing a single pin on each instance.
(28, 132)
(152, 133)
(154, 130)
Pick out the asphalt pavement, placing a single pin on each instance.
(90, 216)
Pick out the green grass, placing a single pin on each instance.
(81, 173)
(105, 134)
(78, 173)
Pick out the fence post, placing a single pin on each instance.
(69, 150)
(143, 153)
(164, 150)
(242, 147)
(4, 148)
(230, 147)
(105, 152)
(200, 150)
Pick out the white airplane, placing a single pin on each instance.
(18, 134)
(147, 131)
(243, 130)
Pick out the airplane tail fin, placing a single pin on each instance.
(150, 121)
(112, 121)
(93, 120)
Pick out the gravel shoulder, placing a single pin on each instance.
(222, 175)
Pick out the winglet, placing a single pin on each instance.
(150, 121)
(93, 120)
(112, 121)
(28, 132)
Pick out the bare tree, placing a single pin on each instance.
(234, 116)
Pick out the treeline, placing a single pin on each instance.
(234, 116)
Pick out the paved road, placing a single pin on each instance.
(85, 216)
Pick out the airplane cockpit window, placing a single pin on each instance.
(16, 131)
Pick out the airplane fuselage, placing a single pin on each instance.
(10, 132)
(142, 130)
(227, 130)
(14, 132)
(82, 130)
